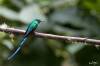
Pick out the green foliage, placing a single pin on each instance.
(63, 17)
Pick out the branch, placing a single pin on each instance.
(51, 36)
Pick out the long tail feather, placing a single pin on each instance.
(14, 54)
(18, 49)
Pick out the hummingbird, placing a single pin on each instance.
(31, 27)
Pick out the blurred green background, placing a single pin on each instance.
(80, 18)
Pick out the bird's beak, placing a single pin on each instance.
(43, 21)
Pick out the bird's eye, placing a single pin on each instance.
(38, 20)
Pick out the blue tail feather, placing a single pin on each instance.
(14, 54)
(18, 49)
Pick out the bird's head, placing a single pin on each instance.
(38, 20)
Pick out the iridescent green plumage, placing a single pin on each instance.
(32, 27)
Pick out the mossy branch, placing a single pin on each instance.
(51, 36)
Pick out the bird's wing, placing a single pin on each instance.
(30, 29)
